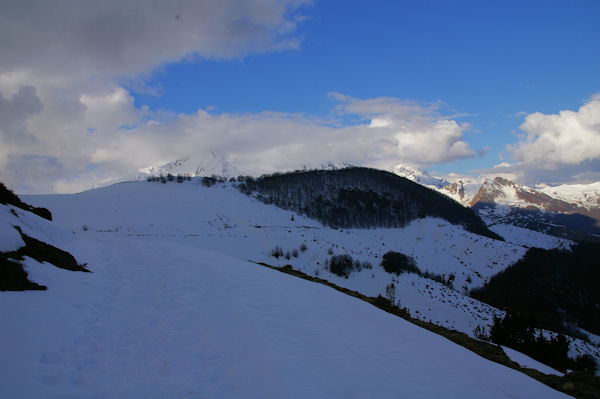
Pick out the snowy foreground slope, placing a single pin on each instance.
(221, 219)
(160, 318)
(153, 222)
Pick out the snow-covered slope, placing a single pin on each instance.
(163, 254)
(586, 195)
(462, 190)
(33, 226)
(160, 318)
(10, 239)
(505, 192)
(568, 198)
(222, 219)
(571, 211)
(526, 361)
(201, 163)
(565, 211)
(419, 176)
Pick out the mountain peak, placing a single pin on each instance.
(202, 164)
(505, 192)
(419, 176)
(586, 195)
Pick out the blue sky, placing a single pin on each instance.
(489, 60)
(463, 76)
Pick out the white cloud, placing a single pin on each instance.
(106, 136)
(569, 137)
(381, 122)
(114, 37)
(557, 148)
(61, 107)
(66, 123)
(533, 175)
(423, 136)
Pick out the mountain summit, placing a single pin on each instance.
(505, 192)
(419, 176)
(201, 164)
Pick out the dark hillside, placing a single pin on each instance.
(361, 198)
(557, 288)
(574, 226)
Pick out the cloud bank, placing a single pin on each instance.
(556, 148)
(566, 138)
(73, 145)
(113, 37)
(421, 135)
(67, 124)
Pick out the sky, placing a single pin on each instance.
(93, 91)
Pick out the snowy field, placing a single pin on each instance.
(161, 319)
(222, 219)
(174, 305)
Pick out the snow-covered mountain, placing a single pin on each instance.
(571, 211)
(201, 164)
(462, 190)
(419, 176)
(503, 201)
(584, 195)
(470, 191)
(566, 198)
(505, 192)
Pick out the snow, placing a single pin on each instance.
(222, 219)
(10, 239)
(469, 187)
(33, 226)
(526, 361)
(419, 176)
(587, 195)
(159, 318)
(530, 238)
(205, 163)
(132, 234)
(507, 193)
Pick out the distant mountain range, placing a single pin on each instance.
(570, 211)
(567, 198)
